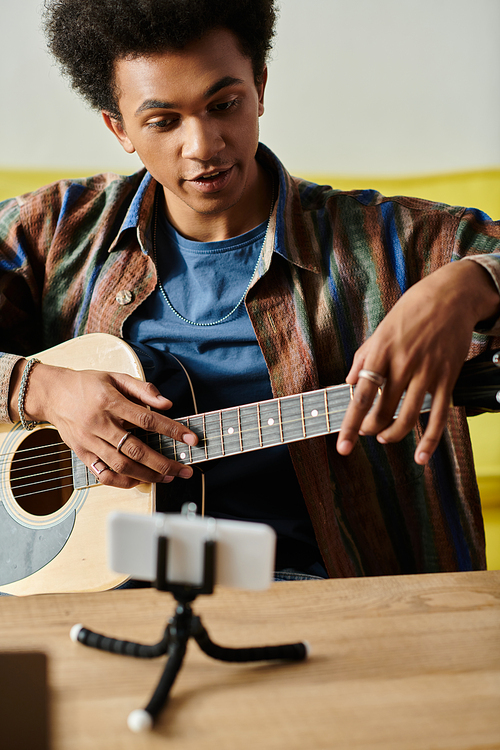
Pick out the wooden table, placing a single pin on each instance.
(397, 662)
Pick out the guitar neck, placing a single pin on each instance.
(263, 424)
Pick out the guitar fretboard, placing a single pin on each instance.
(260, 425)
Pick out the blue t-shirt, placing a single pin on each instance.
(203, 282)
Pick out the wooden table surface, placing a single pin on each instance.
(397, 662)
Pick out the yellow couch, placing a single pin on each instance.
(480, 189)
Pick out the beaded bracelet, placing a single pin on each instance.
(22, 394)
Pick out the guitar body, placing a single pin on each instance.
(56, 542)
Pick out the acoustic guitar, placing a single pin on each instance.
(53, 510)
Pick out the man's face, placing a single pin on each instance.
(192, 117)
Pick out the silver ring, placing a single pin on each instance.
(120, 444)
(95, 471)
(373, 377)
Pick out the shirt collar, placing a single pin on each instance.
(139, 214)
(290, 233)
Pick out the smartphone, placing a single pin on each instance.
(245, 552)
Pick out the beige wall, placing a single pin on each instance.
(356, 87)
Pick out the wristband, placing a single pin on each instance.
(22, 394)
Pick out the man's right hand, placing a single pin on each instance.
(92, 411)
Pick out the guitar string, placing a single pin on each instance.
(65, 455)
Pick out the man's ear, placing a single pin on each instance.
(117, 129)
(261, 88)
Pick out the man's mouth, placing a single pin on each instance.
(211, 181)
(208, 175)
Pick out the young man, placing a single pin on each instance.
(259, 284)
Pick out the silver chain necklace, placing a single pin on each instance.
(165, 295)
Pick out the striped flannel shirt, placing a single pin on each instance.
(75, 258)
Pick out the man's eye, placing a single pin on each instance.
(161, 124)
(224, 106)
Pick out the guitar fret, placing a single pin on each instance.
(290, 422)
(82, 475)
(205, 447)
(239, 429)
(197, 425)
(338, 401)
(326, 411)
(222, 434)
(280, 420)
(188, 425)
(315, 414)
(259, 425)
(270, 423)
(183, 451)
(249, 428)
(231, 430)
(213, 435)
(171, 445)
(302, 415)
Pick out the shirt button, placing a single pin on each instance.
(124, 297)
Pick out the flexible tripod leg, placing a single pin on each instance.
(143, 718)
(288, 652)
(179, 632)
(83, 635)
(174, 641)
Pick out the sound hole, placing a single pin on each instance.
(41, 475)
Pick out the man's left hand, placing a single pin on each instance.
(419, 348)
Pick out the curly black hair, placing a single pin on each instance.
(87, 37)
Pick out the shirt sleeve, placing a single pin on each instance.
(478, 240)
(7, 364)
(18, 299)
(490, 263)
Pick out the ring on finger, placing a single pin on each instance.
(373, 377)
(95, 471)
(122, 441)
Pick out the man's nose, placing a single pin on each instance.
(201, 139)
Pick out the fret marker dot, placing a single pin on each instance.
(314, 413)
(183, 455)
(270, 421)
(231, 430)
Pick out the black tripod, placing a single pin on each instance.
(182, 626)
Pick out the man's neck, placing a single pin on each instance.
(252, 209)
